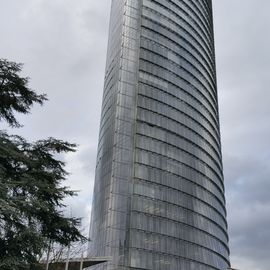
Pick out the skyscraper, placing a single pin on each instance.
(159, 193)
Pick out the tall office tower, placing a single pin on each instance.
(159, 193)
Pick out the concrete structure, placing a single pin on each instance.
(159, 192)
(73, 264)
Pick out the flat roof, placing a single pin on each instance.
(74, 263)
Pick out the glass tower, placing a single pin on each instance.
(159, 193)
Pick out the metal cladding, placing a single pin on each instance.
(159, 194)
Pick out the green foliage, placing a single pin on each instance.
(31, 182)
(15, 95)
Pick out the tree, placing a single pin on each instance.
(31, 181)
(15, 95)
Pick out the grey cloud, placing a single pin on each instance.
(63, 45)
(65, 59)
(243, 62)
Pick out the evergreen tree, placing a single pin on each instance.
(31, 181)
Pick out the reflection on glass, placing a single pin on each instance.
(159, 193)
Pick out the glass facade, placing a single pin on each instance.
(159, 193)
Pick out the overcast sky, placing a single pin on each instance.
(63, 45)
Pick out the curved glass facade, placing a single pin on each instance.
(159, 193)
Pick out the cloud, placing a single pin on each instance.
(248, 208)
(243, 64)
(63, 45)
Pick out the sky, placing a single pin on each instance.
(63, 46)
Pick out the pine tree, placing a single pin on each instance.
(31, 181)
